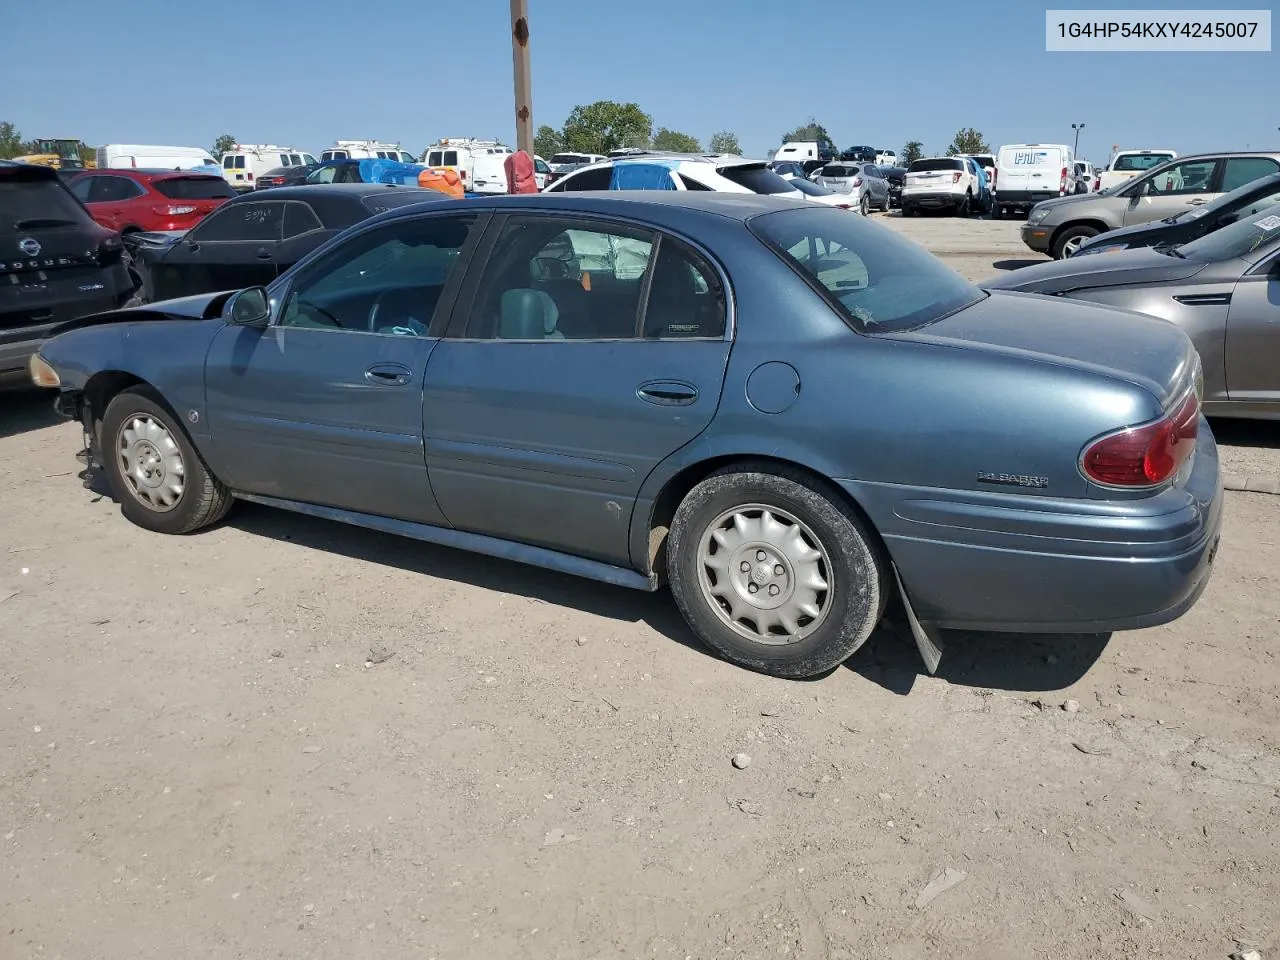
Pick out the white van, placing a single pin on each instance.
(568, 158)
(367, 150)
(1027, 173)
(810, 154)
(244, 163)
(144, 156)
(478, 163)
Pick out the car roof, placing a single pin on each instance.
(149, 173)
(356, 190)
(661, 205)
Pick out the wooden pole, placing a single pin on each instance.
(523, 80)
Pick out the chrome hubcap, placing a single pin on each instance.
(1072, 245)
(151, 462)
(765, 573)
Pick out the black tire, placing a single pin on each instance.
(864, 205)
(203, 499)
(997, 212)
(908, 211)
(964, 206)
(852, 604)
(888, 202)
(1067, 236)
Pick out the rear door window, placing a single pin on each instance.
(450, 158)
(1242, 170)
(114, 190)
(299, 218)
(228, 162)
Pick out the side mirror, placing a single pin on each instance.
(249, 308)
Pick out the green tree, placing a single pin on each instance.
(10, 141)
(605, 125)
(812, 130)
(968, 140)
(222, 145)
(911, 150)
(725, 141)
(547, 142)
(675, 141)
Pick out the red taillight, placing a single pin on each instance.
(857, 181)
(1097, 184)
(278, 181)
(955, 176)
(1147, 455)
(845, 206)
(172, 210)
(993, 178)
(249, 175)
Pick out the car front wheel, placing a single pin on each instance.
(154, 471)
(774, 571)
(1070, 239)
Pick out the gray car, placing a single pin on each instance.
(863, 183)
(1060, 225)
(789, 414)
(1223, 289)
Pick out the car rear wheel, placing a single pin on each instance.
(888, 202)
(774, 571)
(864, 205)
(154, 471)
(963, 207)
(1068, 241)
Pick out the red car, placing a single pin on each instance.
(132, 200)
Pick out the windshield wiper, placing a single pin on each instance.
(30, 222)
(1171, 250)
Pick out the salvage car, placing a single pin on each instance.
(1192, 223)
(1223, 289)
(132, 200)
(255, 237)
(638, 388)
(1059, 226)
(55, 263)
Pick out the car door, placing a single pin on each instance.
(1171, 190)
(107, 199)
(235, 246)
(324, 405)
(586, 352)
(1253, 326)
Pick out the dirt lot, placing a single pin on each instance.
(287, 738)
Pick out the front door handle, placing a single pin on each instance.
(389, 374)
(667, 393)
(1196, 202)
(264, 254)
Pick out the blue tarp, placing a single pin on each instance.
(650, 175)
(390, 171)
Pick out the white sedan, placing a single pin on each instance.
(819, 194)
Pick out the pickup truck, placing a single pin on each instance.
(1127, 164)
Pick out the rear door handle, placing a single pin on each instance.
(667, 392)
(389, 374)
(264, 255)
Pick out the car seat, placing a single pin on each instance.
(675, 307)
(527, 314)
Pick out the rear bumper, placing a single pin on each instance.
(931, 198)
(1006, 562)
(1023, 198)
(31, 313)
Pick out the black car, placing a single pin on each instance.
(290, 176)
(895, 176)
(859, 154)
(1192, 223)
(56, 264)
(250, 240)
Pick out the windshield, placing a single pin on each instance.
(810, 188)
(1240, 239)
(878, 281)
(757, 179)
(1132, 162)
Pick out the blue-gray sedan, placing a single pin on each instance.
(787, 413)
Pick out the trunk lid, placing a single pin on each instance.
(1143, 350)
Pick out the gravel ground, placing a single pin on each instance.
(285, 737)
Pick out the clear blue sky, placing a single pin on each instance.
(307, 72)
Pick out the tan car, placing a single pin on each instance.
(1060, 225)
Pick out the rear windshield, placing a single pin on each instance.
(878, 281)
(36, 201)
(985, 159)
(838, 170)
(568, 158)
(1245, 239)
(756, 179)
(1140, 161)
(194, 188)
(939, 163)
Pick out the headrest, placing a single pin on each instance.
(527, 315)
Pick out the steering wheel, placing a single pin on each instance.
(319, 313)
(399, 323)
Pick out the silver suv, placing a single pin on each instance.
(1060, 225)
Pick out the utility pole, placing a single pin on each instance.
(1077, 127)
(523, 77)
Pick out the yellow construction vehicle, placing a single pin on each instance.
(59, 154)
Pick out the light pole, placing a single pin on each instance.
(523, 81)
(1077, 127)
